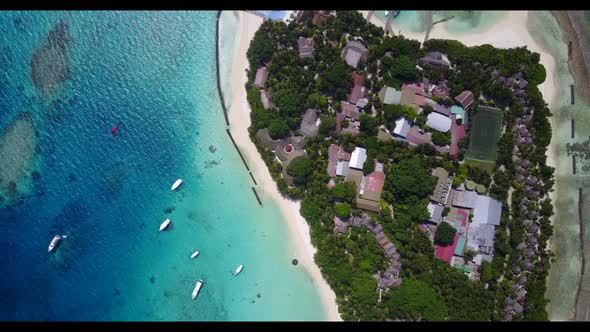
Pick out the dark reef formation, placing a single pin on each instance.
(50, 63)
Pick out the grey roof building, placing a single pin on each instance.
(305, 47)
(309, 127)
(435, 212)
(436, 60)
(354, 52)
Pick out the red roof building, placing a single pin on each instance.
(358, 89)
(417, 136)
(457, 134)
(446, 253)
(260, 79)
(465, 98)
(347, 111)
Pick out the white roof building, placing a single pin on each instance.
(402, 126)
(487, 211)
(342, 168)
(358, 158)
(438, 122)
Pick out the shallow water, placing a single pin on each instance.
(565, 271)
(153, 73)
(463, 22)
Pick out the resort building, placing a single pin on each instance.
(358, 158)
(486, 215)
(390, 96)
(435, 211)
(443, 186)
(358, 93)
(354, 175)
(435, 60)
(317, 16)
(354, 52)
(457, 134)
(350, 112)
(260, 79)
(264, 97)
(384, 135)
(369, 194)
(305, 47)
(465, 98)
(407, 97)
(402, 127)
(337, 160)
(417, 136)
(438, 122)
(309, 124)
(265, 139)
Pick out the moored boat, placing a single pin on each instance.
(176, 184)
(195, 254)
(53, 243)
(197, 288)
(238, 269)
(165, 224)
(396, 12)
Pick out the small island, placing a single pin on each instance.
(421, 169)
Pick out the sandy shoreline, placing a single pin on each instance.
(239, 118)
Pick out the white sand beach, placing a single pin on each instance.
(239, 118)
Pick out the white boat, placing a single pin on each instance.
(165, 224)
(197, 288)
(176, 184)
(53, 243)
(195, 254)
(386, 13)
(238, 269)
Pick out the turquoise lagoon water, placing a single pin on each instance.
(154, 74)
(462, 22)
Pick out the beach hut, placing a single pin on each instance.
(528, 265)
(519, 178)
(516, 269)
(530, 253)
(518, 308)
(520, 246)
(532, 180)
(532, 214)
(533, 240)
(260, 79)
(534, 228)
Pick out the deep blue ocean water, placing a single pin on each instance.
(154, 74)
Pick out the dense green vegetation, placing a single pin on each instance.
(300, 168)
(431, 290)
(342, 210)
(277, 128)
(445, 234)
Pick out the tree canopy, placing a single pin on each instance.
(277, 128)
(416, 300)
(300, 169)
(409, 179)
(445, 234)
